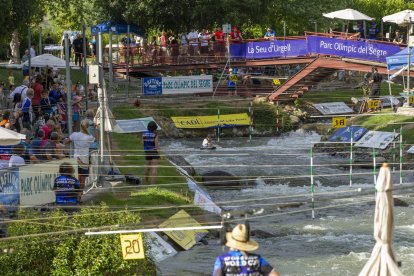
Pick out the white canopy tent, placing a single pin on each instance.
(403, 18)
(400, 18)
(9, 137)
(348, 15)
(46, 60)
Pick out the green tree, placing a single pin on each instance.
(69, 252)
(18, 16)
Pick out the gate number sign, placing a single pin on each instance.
(373, 104)
(338, 122)
(132, 247)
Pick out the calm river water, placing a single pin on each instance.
(340, 238)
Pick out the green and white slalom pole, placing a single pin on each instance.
(218, 125)
(312, 189)
(351, 158)
(251, 121)
(401, 154)
(393, 153)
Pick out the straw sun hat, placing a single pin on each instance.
(239, 239)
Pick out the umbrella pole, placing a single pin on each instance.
(401, 153)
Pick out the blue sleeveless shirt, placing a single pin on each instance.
(148, 139)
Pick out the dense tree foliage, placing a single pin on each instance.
(182, 15)
(69, 252)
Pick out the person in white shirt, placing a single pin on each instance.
(32, 50)
(16, 160)
(81, 142)
(204, 38)
(207, 142)
(22, 90)
(193, 44)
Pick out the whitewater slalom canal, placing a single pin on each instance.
(338, 241)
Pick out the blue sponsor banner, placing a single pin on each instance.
(152, 86)
(276, 48)
(344, 134)
(9, 189)
(238, 51)
(366, 50)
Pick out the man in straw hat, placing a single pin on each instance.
(238, 261)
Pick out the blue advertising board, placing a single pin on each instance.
(9, 189)
(367, 50)
(152, 86)
(276, 48)
(344, 134)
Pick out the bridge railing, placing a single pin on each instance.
(347, 45)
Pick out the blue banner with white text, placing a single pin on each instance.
(365, 50)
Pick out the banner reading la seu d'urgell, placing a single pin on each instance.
(366, 50)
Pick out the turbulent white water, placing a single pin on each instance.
(340, 238)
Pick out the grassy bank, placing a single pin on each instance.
(157, 202)
(386, 120)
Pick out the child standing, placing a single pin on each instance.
(11, 79)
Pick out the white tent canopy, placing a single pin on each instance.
(400, 18)
(347, 14)
(9, 137)
(46, 60)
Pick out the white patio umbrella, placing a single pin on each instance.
(403, 18)
(382, 261)
(46, 60)
(348, 15)
(400, 18)
(9, 137)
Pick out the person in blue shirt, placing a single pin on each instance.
(238, 261)
(151, 148)
(67, 187)
(373, 31)
(361, 31)
(270, 34)
(55, 95)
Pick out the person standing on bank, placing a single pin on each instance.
(81, 141)
(375, 81)
(66, 186)
(151, 149)
(238, 261)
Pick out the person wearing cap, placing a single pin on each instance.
(270, 34)
(373, 31)
(375, 81)
(239, 260)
